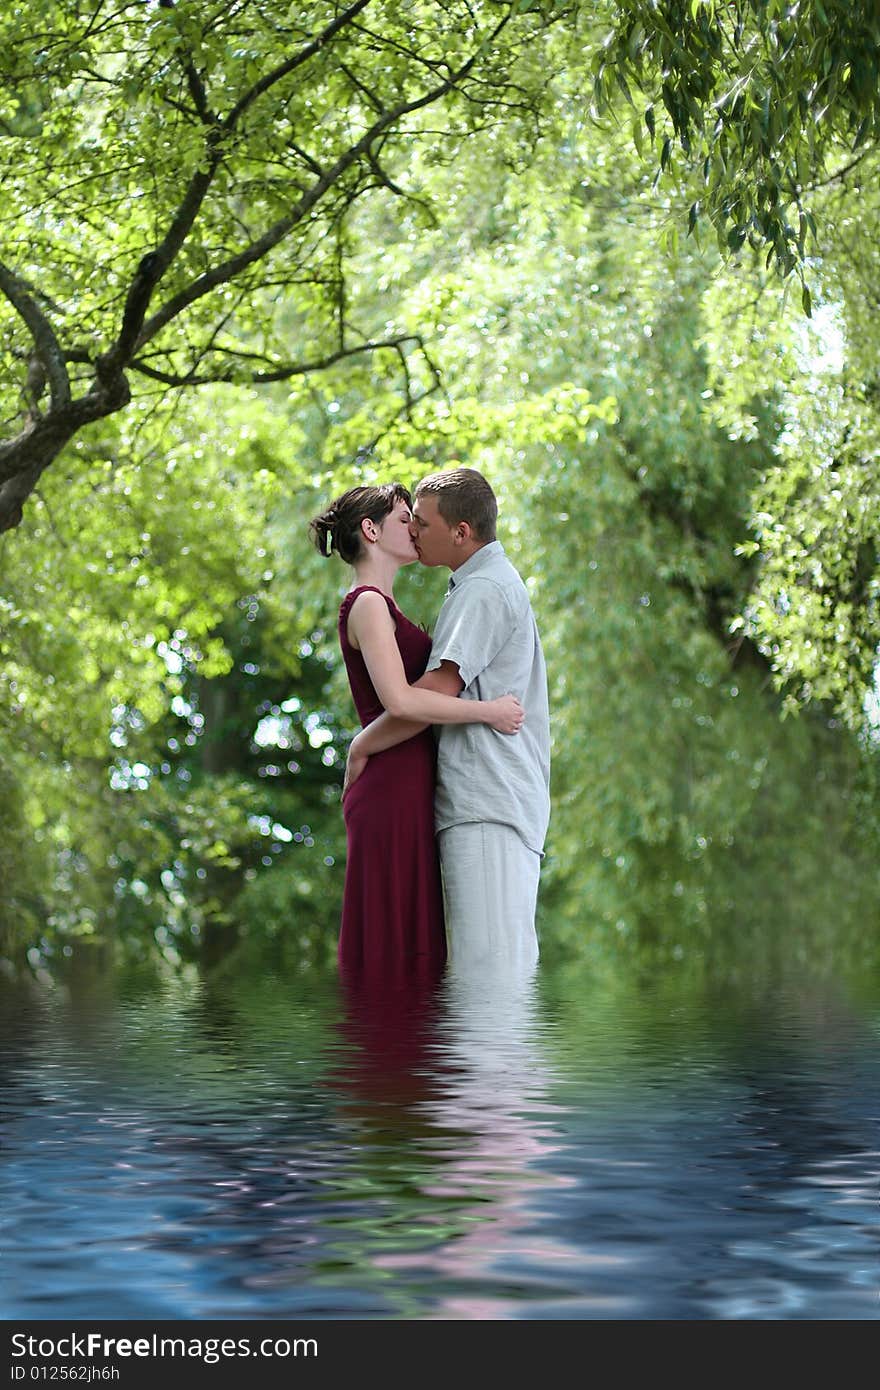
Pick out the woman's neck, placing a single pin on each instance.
(380, 571)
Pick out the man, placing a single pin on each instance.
(492, 801)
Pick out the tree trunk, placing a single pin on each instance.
(23, 460)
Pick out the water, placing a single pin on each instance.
(638, 1145)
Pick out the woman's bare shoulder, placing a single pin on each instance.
(370, 611)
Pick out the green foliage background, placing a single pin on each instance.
(685, 469)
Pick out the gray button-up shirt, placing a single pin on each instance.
(487, 628)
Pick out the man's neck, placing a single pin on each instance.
(471, 553)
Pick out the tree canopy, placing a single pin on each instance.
(762, 99)
(177, 181)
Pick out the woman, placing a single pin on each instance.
(392, 915)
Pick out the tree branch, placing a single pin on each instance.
(228, 269)
(355, 81)
(291, 64)
(385, 41)
(284, 373)
(384, 181)
(151, 269)
(43, 334)
(838, 173)
(405, 408)
(194, 81)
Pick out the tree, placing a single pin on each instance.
(635, 412)
(814, 609)
(177, 182)
(756, 97)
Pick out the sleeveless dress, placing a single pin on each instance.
(392, 912)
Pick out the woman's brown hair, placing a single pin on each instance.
(339, 527)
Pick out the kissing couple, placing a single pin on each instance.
(446, 797)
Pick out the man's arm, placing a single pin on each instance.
(387, 731)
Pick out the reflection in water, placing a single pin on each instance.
(493, 1110)
(484, 1145)
(390, 1028)
(435, 1081)
(453, 1068)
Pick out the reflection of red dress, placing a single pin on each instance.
(392, 912)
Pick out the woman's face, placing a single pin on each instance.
(396, 533)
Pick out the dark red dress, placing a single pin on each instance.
(392, 912)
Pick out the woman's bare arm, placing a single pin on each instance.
(371, 630)
(389, 730)
(392, 728)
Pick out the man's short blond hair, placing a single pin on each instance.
(463, 495)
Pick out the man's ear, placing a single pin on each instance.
(463, 532)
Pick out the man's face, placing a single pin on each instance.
(434, 537)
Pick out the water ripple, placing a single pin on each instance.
(489, 1147)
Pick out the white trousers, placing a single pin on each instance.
(490, 892)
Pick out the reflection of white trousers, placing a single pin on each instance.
(490, 891)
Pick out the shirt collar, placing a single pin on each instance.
(474, 562)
